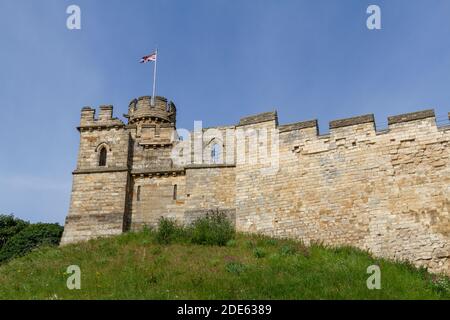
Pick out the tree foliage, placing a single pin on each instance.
(10, 226)
(29, 238)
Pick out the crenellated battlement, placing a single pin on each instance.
(142, 108)
(352, 125)
(258, 118)
(345, 125)
(299, 126)
(105, 119)
(341, 123)
(385, 191)
(419, 115)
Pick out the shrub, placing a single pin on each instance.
(214, 229)
(168, 231)
(32, 236)
(10, 226)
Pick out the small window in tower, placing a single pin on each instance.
(157, 130)
(102, 159)
(215, 153)
(138, 193)
(175, 192)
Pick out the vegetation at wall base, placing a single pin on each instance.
(143, 266)
(213, 229)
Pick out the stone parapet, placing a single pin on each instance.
(368, 118)
(419, 115)
(261, 117)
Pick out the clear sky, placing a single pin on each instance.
(219, 60)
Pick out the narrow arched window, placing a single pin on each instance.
(175, 192)
(138, 193)
(102, 158)
(215, 153)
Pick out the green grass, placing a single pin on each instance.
(136, 266)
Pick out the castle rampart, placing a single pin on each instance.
(385, 191)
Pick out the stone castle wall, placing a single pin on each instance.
(384, 191)
(97, 206)
(387, 192)
(157, 200)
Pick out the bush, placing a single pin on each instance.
(10, 226)
(214, 229)
(32, 236)
(168, 231)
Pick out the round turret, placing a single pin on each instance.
(142, 109)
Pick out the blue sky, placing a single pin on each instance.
(219, 60)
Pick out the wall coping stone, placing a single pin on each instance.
(339, 123)
(298, 125)
(257, 118)
(411, 116)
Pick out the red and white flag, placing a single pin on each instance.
(150, 57)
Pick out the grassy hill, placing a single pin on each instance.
(137, 266)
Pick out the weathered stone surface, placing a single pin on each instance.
(261, 117)
(299, 125)
(387, 192)
(352, 121)
(411, 116)
(191, 215)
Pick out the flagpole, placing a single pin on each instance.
(154, 79)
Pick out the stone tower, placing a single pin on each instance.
(152, 129)
(153, 133)
(110, 151)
